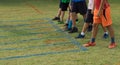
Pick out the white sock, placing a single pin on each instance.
(106, 32)
(82, 33)
(67, 21)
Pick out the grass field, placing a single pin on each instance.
(28, 36)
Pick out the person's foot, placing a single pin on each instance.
(89, 44)
(66, 25)
(73, 30)
(65, 28)
(105, 35)
(80, 36)
(112, 45)
(56, 18)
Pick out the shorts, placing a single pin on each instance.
(89, 16)
(79, 7)
(104, 18)
(63, 6)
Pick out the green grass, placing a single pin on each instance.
(27, 38)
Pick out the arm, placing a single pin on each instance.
(101, 7)
(93, 8)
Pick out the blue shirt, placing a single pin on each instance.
(77, 0)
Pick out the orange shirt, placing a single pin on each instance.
(97, 4)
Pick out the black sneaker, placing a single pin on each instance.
(67, 29)
(66, 25)
(80, 36)
(105, 36)
(56, 18)
(74, 29)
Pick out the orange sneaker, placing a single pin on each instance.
(112, 45)
(89, 44)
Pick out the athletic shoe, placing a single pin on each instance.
(105, 35)
(65, 28)
(89, 44)
(56, 18)
(66, 25)
(112, 45)
(74, 29)
(80, 36)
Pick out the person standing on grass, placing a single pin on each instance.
(68, 25)
(89, 21)
(63, 5)
(102, 16)
(77, 6)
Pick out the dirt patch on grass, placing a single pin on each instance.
(40, 35)
(50, 41)
(63, 47)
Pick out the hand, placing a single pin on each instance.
(92, 11)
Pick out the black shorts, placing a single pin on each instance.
(63, 6)
(89, 17)
(79, 7)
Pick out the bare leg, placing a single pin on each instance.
(74, 19)
(94, 32)
(82, 34)
(74, 28)
(104, 29)
(57, 17)
(111, 31)
(59, 13)
(85, 26)
(62, 15)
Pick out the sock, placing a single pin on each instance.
(105, 32)
(92, 40)
(70, 24)
(112, 40)
(67, 21)
(82, 33)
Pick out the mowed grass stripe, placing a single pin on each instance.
(40, 54)
(29, 40)
(26, 20)
(28, 51)
(35, 46)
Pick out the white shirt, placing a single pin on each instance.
(90, 4)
